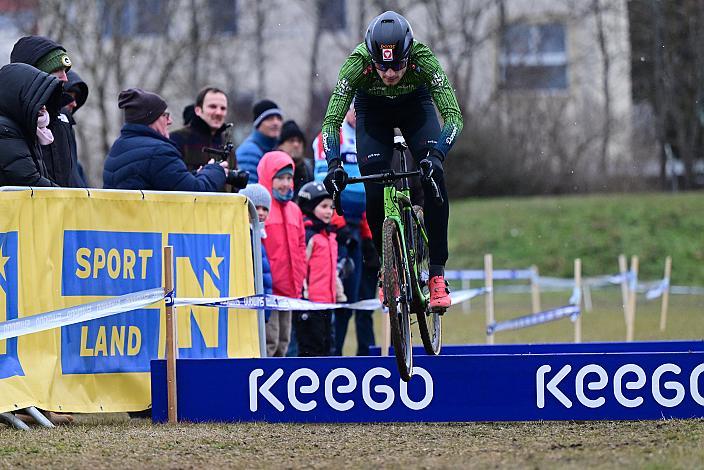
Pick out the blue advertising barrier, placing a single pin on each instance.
(473, 387)
(558, 348)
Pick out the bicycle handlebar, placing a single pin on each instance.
(387, 177)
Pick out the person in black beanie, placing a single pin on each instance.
(74, 97)
(293, 142)
(144, 157)
(267, 119)
(52, 58)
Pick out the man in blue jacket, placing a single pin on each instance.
(143, 157)
(267, 128)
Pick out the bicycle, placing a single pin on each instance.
(405, 261)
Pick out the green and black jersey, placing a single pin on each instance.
(358, 73)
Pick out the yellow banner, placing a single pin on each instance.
(62, 248)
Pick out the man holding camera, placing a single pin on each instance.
(144, 157)
(205, 129)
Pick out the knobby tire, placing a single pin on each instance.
(396, 289)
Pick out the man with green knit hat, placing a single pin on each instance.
(59, 156)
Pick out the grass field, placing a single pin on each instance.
(548, 232)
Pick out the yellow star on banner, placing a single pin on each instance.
(214, 261)
(3, 260)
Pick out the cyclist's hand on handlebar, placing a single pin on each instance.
(336, 179)
(431, 165)
(431, 171)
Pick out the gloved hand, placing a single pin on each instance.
(431, 165)
(336, 179)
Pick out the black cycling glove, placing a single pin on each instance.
(336, 179)
(431, 165)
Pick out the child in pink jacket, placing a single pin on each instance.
(285, 244)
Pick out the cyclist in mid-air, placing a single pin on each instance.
(394, 81)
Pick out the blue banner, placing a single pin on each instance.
(623, 386)
(9, 360)
(101, 263)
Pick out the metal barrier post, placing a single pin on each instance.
(258, 275)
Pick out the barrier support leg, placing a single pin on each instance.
(489, 284)
(623, 269)
(171, 349)
(665, 294)
(535, 289)
(578, 286)
(630, 326)
(14, 421)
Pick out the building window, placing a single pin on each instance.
(533, 57)
(133, 17)
(223, 16)
(333, 15)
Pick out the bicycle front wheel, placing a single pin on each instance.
(429, 323)
(396, 289)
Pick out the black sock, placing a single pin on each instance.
(436, 270)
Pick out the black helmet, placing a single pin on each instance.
(310, 196)
(389, 40)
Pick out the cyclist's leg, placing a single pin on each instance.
(375, 137)
(420, 128)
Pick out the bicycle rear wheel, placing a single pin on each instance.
(429, 323)
(396, 285)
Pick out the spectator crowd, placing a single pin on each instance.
(308, 250)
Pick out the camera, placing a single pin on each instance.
(237, 178)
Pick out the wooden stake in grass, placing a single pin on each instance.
(466, 306)
(665, 294)
(171, 349)
(578, 288)
(633, 284)
(623, 269)
(535, 288)
(489, 285)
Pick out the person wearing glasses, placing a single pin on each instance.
(143, 157)
(396, 82)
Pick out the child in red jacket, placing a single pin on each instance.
(314, 329)
(285, 244)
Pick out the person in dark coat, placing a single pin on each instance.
(50, 57)
(25, 92)
(205, 128)
(293, 142)
(267, 128)
(143, 157)
(75, 96)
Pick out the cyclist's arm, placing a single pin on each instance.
(443, 95)
(351, 75)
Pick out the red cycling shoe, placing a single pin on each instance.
(439, 293)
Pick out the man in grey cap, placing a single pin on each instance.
(143, 157)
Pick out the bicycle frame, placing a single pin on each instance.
(399, 208)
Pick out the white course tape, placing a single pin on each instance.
(657, 291)
(277, 302)
(571, 311)
(496, 274)
(79, 313)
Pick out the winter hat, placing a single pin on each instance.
(287, 170)
(40, 52)
(258, 195)
(53, 61)
(290, 130)
(141, 107)
(263, 109)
